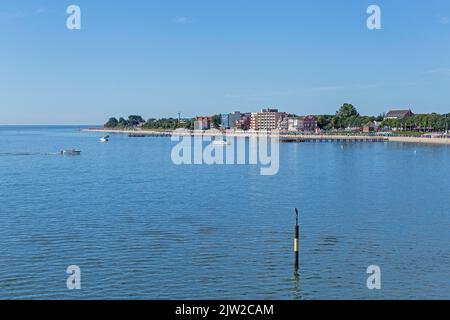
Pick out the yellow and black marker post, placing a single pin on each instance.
(297, 234)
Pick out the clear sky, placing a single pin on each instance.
(158, 58)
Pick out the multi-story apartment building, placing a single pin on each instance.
(267, 119)
(229, 120)
(254, 121)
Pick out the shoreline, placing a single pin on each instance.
(300, 138)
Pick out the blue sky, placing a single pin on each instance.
(158, 58)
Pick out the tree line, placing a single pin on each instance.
(424, 122)
(347, 116)
(134, 121)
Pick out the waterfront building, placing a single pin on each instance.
(369, 127)
(309, 123)
(399, 114)
(244, 122)
(294, 124)
(225, 123)
(229, 120)
(234, 117)
(267, 119)
(203, 123)
(254, 121)
(283, 123)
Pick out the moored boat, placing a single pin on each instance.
(70, 152)
(221, 143)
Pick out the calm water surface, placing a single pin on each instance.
(142, 228)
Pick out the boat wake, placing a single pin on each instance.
(23, 154)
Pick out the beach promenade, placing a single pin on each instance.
(291, 137)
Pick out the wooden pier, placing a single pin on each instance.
(332, 138)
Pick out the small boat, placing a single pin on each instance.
(70, 152)
(221, 143)
(104, 139)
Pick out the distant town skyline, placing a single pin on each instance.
(200, 57)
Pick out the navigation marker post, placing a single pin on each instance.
(296, 247)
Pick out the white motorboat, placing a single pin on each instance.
(104, 139)
(70, 152)
(221, 143)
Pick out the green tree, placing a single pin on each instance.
(135, 120)
(167, 124)
(112, 123)
(419, 122)
(380, 117)
(216, 121)
(324, 122)
(346, 111)
(123, 123)
(346, 116)
(190, 124)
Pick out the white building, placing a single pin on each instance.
(295, 124)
